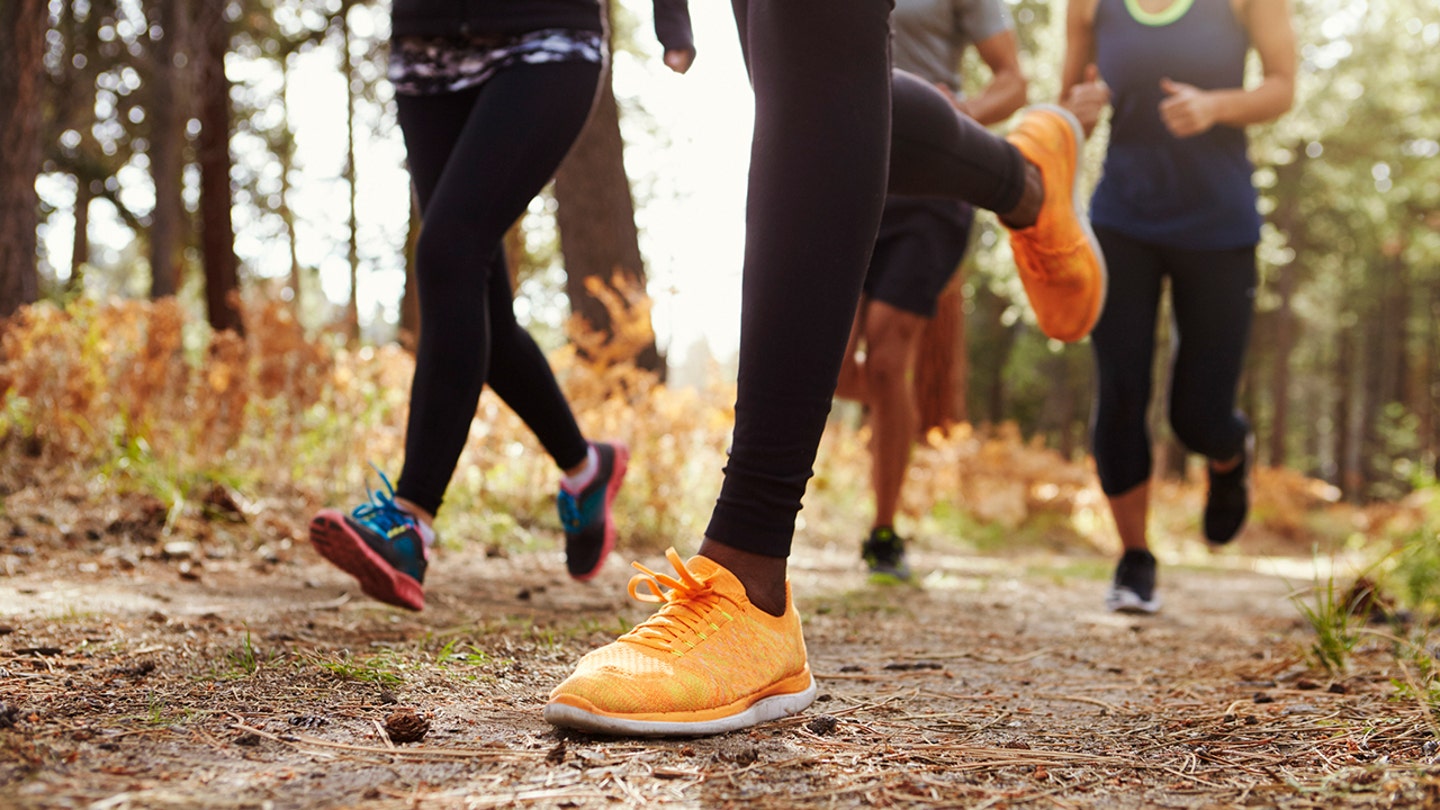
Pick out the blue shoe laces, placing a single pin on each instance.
(570, 514)
(382, 514)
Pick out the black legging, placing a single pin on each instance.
(477, 158)
(1212, 293)
(818, 180)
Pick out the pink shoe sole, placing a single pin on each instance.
(622, 463)
(339, 544)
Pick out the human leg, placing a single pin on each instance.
(1124, 348)
(816, 186)
(817, 182)
(1214, 299)
(919, 248)
(892, 336)
(512, 132)
(519, 127)
(1030, 178)
(521, 376)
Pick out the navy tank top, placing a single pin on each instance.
(1192, 193)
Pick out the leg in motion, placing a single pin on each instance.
(1030, 178)
(505, 137)
(1124, 348)
(918, 251)
(892, 336)
(1214, 300)
(725, 650)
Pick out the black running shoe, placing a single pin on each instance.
(1133, 590)
(1228, 501)
(586, 515)
(884, 553)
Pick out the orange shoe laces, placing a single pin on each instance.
(687, 607)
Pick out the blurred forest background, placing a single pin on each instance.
(168, 346)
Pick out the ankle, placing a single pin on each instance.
(1027, 211)
(422, 515)
(762, 576)
(575, 479)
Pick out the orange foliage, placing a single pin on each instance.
(285, 410)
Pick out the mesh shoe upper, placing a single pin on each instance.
(380, 544)
(397, 536)
(1058, 257)
(586, 516)
(700, 664)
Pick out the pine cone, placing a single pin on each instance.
(405, 726)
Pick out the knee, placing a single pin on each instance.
(1213, 432)
(887, 364)
(1121, 405)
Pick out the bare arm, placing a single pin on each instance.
(1007, 90)
(1082, 91)
(1188, 110)
(1079, 43)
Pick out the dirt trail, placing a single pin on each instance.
(253, 679)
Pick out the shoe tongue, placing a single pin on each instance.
(703, 567)
(719, 577)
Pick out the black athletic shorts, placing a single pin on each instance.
(921, 243)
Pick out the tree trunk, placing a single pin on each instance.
(80, 243)
(940, 363)
(347, 69)
(1430, 392)
(286, 156)
(1347, 451)
(213, 151)
(409, 332)
(167, 140)
(1384, 374)
(596, 218)
(22, 33)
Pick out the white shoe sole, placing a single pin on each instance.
(1124, 600)
(771, 708)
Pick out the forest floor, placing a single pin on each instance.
(145, 664)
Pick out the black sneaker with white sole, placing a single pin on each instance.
(1133, 590)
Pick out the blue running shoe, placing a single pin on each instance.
(586, 515)
(380, 544)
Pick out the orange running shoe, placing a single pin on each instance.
(707, 662)
(1059, 260)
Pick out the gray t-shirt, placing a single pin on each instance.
(929, 37)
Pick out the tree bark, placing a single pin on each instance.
(22, 31)
(1430, 392)
(213, 150)
(286, 157)
(1346, 447)
(347, 69)
(596, 219)
(409, 332)
(80, 243)
(167, 139)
